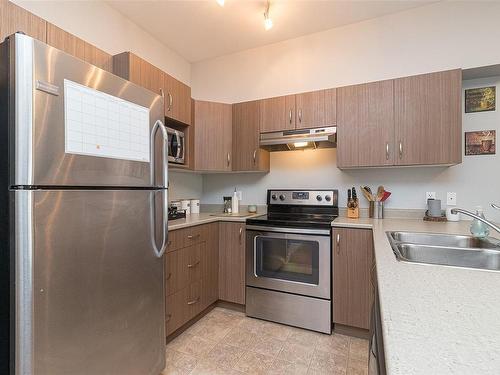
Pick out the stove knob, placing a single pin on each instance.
(282, 197)
(274, 197)
(328, 198)
(318, 198)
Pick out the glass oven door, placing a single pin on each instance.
(287, 259)
(289, 262)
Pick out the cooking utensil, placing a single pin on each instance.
(387, 194)
(366, 193)
(380, 193)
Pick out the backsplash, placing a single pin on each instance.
(184, 185)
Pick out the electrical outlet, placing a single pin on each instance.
(451, 198)
(430, 195)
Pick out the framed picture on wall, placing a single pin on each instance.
(480, 143)
(481, 99)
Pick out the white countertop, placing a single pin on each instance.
(205, 218)
(435, 319)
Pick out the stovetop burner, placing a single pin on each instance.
(299, 209)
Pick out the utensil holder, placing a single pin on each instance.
(376, 210)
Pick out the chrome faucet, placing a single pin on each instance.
(473, 215)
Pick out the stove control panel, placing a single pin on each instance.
(303, 197)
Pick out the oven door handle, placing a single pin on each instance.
(289, 230)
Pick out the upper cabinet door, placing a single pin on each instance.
(14, 18)
(365, 126)
(79, 48)
(247, 156)
(177, 99)
(315, 109)
(277, 113)
(428, 118)
(212, 136)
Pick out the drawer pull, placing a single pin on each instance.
(194, 301)
(169, 316)
(194, 264)
(169, 275)
(193, 236)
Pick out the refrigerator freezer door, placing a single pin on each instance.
(56, 115)
(97, 284)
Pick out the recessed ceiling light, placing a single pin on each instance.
(220, 2)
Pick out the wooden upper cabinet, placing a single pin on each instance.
(14, 18)
(365, 125)
(232, 262)
(277, 113)
(315, 109)
(79, 48)
(212, 136)
(247, 156)
(352, 262)
(428, 118)
(177, 95)
(177, 99)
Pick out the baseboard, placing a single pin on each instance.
(351, 331)
(230, 306)
(188, 324)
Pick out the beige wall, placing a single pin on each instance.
(101, 25)
(429, 38)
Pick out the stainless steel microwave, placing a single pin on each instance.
(176, 146)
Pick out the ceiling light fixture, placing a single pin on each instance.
(220, 2)
(268, 22)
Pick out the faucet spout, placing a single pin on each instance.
(473, 215)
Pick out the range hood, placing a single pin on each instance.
(300, 139)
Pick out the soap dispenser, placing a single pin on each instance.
(478, 228)
(235, 202)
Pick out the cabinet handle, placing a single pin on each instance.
(241, 233)
(338, 243)
(169, 316)
(300, 115)
(228, 159)
(194, 264)
(194, 301)
(254, 156)
(169, 275)
(400, 149)
(170, 102)
(193, 236)
(387, 151)
(290, 116)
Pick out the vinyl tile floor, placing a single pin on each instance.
(228, 342)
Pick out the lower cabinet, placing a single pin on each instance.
(191, 273)
(352, 262)
(232, 262)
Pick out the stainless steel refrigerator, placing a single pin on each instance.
(84, 222)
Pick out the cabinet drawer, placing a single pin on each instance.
(182, 306)
(180, 238)
(182, 267)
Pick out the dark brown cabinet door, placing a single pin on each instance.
(365, 125)
(247, 156)
(212, 136)
(232, 262)
(428, 118)
(352, 261)
(210, 266)
(315, 109)
(14, 18)
(277, 113)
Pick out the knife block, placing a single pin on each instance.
(353, 209)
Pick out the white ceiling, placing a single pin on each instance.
(200, 30)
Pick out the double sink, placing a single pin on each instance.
(446, 250)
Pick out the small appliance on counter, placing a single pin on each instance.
(175, 213)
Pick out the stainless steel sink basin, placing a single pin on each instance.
(446, 250)
(448, 240)
(449, 256)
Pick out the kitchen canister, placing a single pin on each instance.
(434, 207)
(195, 206)
(186, 206)
(376, 210)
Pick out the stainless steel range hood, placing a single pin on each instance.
(300, 139)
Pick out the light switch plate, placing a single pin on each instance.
(430, 195)
(451, 198)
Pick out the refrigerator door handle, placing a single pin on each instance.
(159, 252)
